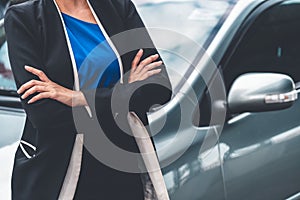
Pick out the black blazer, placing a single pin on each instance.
(36, 37)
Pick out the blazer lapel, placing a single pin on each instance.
(56, 54)
(108, 16)
(58, 42)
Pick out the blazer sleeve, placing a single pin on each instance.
(24, 49)
(156, 89)
(141, 95)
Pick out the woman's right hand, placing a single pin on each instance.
(144, 69)
(47, 89)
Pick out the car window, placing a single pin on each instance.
(198, 21)
(3, 6)
(270, 45)
(6, 77)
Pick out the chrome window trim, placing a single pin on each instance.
(222, 39)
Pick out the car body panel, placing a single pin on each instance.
(262, 161)
(263, 153)
(12, 121)
(249, 161)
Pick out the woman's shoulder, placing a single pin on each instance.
(25, 16)
(27, 6)
(121, 6)
(25, 10)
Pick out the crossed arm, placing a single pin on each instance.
(24, 49)
(47, 89)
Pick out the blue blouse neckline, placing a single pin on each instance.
(79, 20)
(96, 62)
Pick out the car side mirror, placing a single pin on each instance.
(258, 92)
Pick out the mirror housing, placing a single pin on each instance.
(259, 92)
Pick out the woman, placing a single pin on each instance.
(49, 42)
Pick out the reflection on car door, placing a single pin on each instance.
(262, 161)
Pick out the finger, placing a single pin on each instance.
(151, 73)
(39, 73)
(28, 85)
(137, 59)
(33, 90)
(151, 66)
(40, 96)
(147, 61)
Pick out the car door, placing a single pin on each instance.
(189, 154)
(262, 159)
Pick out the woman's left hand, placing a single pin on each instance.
(48, 89)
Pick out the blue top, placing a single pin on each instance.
(96, 62)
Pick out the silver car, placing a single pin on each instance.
(232, 128)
